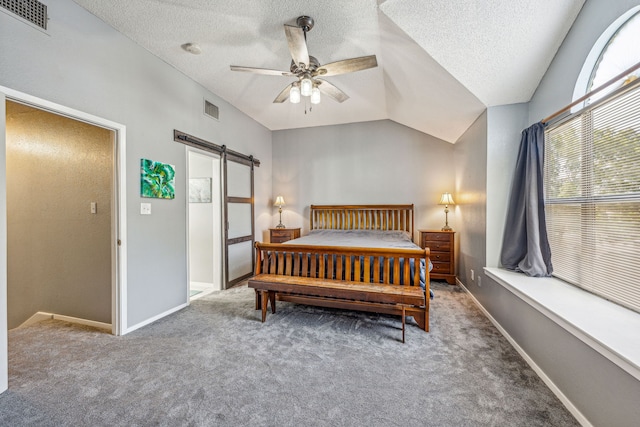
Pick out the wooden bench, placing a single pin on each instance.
(364, 279)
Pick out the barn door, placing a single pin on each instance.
(239, 214)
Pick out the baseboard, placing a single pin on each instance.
(41, 315)
(38, 317)
(543, 376)
(154, 318)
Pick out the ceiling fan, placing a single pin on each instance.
(308, 69)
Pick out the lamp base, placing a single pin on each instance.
(447, 228)
(281, 225)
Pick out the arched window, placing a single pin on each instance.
(616, 50)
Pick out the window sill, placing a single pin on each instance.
(606, 327)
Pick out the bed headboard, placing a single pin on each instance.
(362, 217)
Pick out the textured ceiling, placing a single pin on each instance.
(440, 62)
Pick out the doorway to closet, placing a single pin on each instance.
(60, 218)
(205, 223)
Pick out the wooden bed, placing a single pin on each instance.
(362, 217)
(384, 280)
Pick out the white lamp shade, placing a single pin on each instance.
(279, 201)
(294, 95)
(315, 96)
(306, 86)
(446, 199)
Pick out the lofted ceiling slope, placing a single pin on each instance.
(440, 63)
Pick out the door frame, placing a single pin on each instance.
(119, 217)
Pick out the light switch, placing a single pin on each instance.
(94, 207)
(145, 208)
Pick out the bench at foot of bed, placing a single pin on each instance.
(371, 297)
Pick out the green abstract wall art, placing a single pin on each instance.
(157, 179)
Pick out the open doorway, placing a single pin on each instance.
(205, 223)
(60, 218)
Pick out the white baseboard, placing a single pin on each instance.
(543, 376)
(154, 318)
(38, 317)
(41, 315)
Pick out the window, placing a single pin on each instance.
(621, 52)
(592, 182)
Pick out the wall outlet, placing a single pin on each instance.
(145, 208)
(479, 281)
(472, 275)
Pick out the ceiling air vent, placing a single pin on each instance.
(30, 10)
(211, 110)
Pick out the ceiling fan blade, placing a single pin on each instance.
(347, 66)
(297, 45)
(331, 91)
(264, 71)
(283, 96)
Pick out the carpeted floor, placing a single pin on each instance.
(215, 364)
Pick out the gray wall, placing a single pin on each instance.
(361, 163)
(56, 167)
(84, 64)
(601, 391)
(470, 159)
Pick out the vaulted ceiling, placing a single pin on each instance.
(440, 62)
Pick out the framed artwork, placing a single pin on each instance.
(157, 179)
(200, 190)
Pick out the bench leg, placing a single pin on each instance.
(264, 300)
(403, 323)
(272, 300)
(258, 300)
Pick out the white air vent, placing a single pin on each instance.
(30, 10)
(211, 110)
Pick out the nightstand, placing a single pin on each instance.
(442, 247)
(281, 235)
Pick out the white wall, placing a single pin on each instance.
(84, 64)
(361, 163)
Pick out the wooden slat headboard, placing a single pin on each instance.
(362, 217)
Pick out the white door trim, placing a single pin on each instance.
(119, 285)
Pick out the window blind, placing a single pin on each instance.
(592, 198)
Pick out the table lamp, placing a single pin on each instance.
(279, 203)
(446, 200)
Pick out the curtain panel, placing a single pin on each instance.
(525, 246)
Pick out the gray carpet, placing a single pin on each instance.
(215, 364)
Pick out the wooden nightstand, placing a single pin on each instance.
(281, 235)
(442, 247)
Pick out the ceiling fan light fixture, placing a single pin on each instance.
(315, 95)
(306, 85)
(294, 94)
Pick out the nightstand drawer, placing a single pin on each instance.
(435, 245)
(440, 257)
(437, 236)
(441, 267)
(278, 234)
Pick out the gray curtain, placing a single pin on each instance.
(525, 246)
